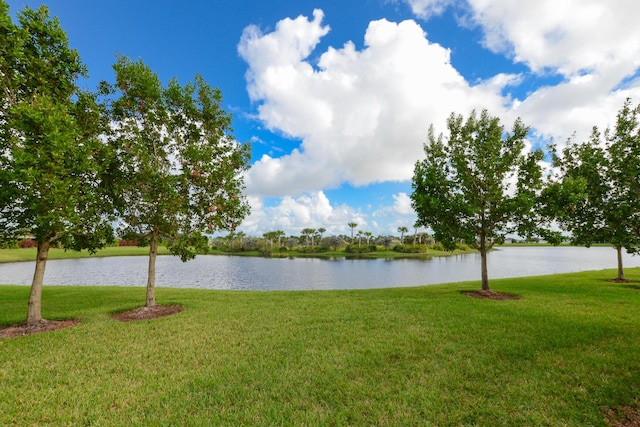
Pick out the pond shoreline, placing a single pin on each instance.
(315, 273)
(29, 254)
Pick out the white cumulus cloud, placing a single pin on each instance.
(362, 114)
(292, 214)
(593, 45)
(427, 8)
(569, 37)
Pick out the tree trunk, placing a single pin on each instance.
(34, 312)
(151, 277)
(483, 257)
(485, 273)
(620, 269)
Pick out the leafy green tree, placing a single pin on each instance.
(181, 172)
(52, 162)
(479, 186)
(335, 242)
(595, 191)
(385, 241)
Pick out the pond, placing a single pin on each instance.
(254, 273)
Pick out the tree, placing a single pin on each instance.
(335, 242)
(368, 235)
(181, 171)
(268, 237)
(402, 230)
(52, 162)
(230, 237)
(595, 191)
(321, 231)
(352, 225)
(464, 189)
(308, 232)
(385, 241)
(415, 234)
(241, 235)
(279, 234)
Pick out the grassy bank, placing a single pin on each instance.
(29, 254)
(411, 356)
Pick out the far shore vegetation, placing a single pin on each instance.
(400, 251)
(18, 254)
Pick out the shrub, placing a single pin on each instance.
(27, 243)
(408, 249)
(123, 242)
(8, 244)
(311, 249)
(363, 249)
(438, 247)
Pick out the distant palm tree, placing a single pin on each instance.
(306, 232)
(230, 237)
(368, 235)
(402, 230)
(321, 230)
(241, 235)
(352, 225)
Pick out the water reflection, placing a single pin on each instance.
(225, 272)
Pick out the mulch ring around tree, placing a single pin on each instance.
(488, 294)
(147, 313)
(22, 329)
(624, 416)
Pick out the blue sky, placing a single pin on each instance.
(336, 97)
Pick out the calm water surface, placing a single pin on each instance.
(228, 272)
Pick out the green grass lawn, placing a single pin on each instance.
(409, 356)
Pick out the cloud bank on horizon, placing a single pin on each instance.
(362, 114)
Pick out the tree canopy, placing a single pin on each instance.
(594, 193)
(51, 157)
(478, 185)
(181, 170)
